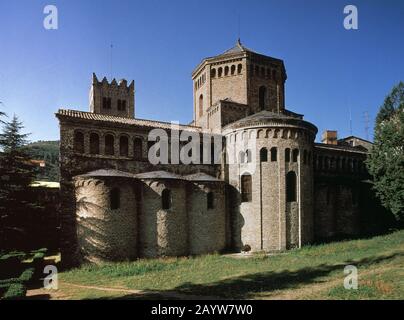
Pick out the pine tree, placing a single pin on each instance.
(16, 174)
(386, 161)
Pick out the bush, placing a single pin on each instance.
(27, 275)
(15, 291)
(39, 255)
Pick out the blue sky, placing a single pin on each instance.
(158, 43)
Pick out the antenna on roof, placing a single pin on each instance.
(111, 47)
(238, 28)
(366, 116)
(350, 122)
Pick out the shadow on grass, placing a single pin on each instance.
(248, 286)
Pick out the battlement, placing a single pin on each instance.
(112, 98)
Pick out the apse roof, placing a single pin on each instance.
(158, 175)
(200, 176)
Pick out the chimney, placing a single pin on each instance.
(329, 137)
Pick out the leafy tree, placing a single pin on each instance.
(386, 161)
(16, 173)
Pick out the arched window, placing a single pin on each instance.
(274, 76)
(239, 68)
(78, 143)
(115, 199)
(248, 155)
(124, 146)
(137, 148)
(219, 72)
(264, 155)
(291, 186)
(210, 200)
(166, 199)
(201, 105)
(269, 73)
(274, 154)
(246, 188)
(226, 70)
(287, 155)
(241, 157)
(295, 155)
(262, 72)
(257, 70)
(94, 143)
(213, 73)
(262, 97)
(109, 145)
(233, 69)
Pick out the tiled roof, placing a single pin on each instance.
(120, 120)
(238, 48)
(266, 115)
(200, 176)
(158, 175)
(107, 173)
(339, 147)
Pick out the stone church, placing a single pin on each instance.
(281, 191)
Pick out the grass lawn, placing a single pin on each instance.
(313, 272)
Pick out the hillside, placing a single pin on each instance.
(48, 151)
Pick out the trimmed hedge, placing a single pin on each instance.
(39, 255)
(10, 255)
(25, 277)
(43, 250)
(15, 291)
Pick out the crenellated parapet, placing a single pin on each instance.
(112, 98)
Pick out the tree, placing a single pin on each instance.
(16, 174)
(386, 161)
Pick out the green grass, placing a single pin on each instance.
(313, 272)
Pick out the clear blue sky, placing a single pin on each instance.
(158, 43)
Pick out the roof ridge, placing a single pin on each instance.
(112, 118)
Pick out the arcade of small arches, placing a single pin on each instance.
(338, 164)
(290, 155)
(108, 141)
(127, 146)
(225, 71)
(284, 133)
(264, 72)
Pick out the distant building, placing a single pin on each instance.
(283, 191)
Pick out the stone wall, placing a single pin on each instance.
(268, 222)
(207, 226)
(339, 175)
(106, 233)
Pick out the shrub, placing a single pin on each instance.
(39, 255)
(27, 275)
(15, 291)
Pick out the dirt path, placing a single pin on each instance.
(60, 295)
